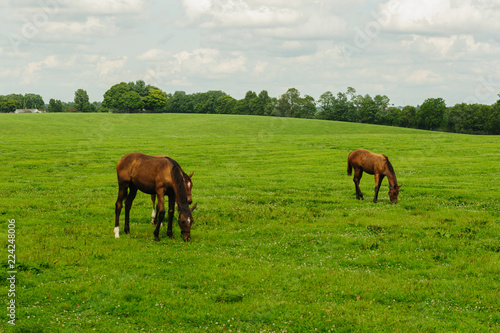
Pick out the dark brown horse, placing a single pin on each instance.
(374, 164)
(153, 175)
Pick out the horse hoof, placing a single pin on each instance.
(157, 240)
(117, 232)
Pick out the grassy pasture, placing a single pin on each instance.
(280, 244)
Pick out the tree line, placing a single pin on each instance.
(349, 106)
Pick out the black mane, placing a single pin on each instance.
(389, 166)
(178, 177)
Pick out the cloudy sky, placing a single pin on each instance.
(408, 50)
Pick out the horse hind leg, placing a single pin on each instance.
(128, 206)
(161, 215)
(122, 194)
(357, 177)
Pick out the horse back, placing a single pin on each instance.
(367, 161)
(146, 172)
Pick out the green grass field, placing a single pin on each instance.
(280, 243)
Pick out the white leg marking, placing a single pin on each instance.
(117, 232)
(153, 215)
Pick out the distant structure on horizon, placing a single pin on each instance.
(29, 111)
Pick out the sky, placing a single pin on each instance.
(407, 50)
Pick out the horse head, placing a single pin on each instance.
(186, 220)
(393, 193)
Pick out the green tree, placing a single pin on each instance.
(382, 102)
(456, 117)
(33, 101)
(9, 105)
(493, 123)
(16, 97)
(289, 103)
(430, 114)
(367, 110)
(326, 105)
(408, 117)
(132, 102)
(478, 118)
(270, 106)
(353, 102)
(81, 101)
(307, 107)
(113, 97)
(155, 101)
(180, 102)
(226, 105)
(140, 87)
(249, 104)
(263, 102)
(55, 106)
(344, 108)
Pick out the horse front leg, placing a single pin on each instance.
(358, 173)
(378, 182)
(171, 211)
(160, 214)
(128, 206)
(153, 213)
(122, 193)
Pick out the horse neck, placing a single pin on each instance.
(180, 190)
(391, 177)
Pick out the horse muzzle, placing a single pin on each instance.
(186, 236)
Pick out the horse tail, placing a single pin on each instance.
(349, 168)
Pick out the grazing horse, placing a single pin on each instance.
(189, 185)
(374, 164)
(154, 176)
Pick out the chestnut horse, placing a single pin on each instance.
(189, 185)
(374, 164)
(153, 175)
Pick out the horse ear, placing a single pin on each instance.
(194, 206)
(399, 186)
(191, 175)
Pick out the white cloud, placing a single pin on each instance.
(154, 55)
(107, 68)
(423, 77)
(237, 13)
(260, 67)
(208, 63)
(72, 31)
(108, 7)
(412, 12)
(30, 73)
(443, 17)
(413, 47)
